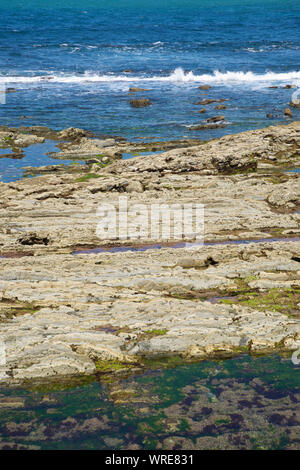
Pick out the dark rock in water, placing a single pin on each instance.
(270, 116)
(93, 160)
(209, 101)
(135, 89)
(288, 112)
(273, 87)
(221, 106)
(204, 87)
(206, 101)
(15, 155)
(212, 125)
(140, 103)
(290, 86)
(214, 122)
(127, 71)
(216, 119)
(8, 90)
(202, 111)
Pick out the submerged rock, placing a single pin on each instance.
(136, 89)
(216, 119)
(288, 112)
(209, 101)
(140, 103)
(207, 125)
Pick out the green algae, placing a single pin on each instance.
(272, 439)
(11, 309)
(87, 177)
(277, 299)
(56, 385)
(156, 332)
(95, 422)
(111, 366)
(148, 334)
(163, 362)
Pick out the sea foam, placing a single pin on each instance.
(178, 76)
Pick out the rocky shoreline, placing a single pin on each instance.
(65, 315)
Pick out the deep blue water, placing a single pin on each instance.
(240, 48)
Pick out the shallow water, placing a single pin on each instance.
(128, 156)
(245, 402)
(158, 246)
(12, 169)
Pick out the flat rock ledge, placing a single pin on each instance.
(64, 315)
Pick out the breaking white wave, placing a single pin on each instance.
(178, 76)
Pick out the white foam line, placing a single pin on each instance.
(178, 76)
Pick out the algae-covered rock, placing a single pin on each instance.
(140, 103)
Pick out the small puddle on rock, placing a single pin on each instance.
(124, 248)
(106, 329)
(128, 156)
(158, 246)
(293, 170)
(154, 246)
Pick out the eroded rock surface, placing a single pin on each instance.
(66, 314)
(127, 306)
